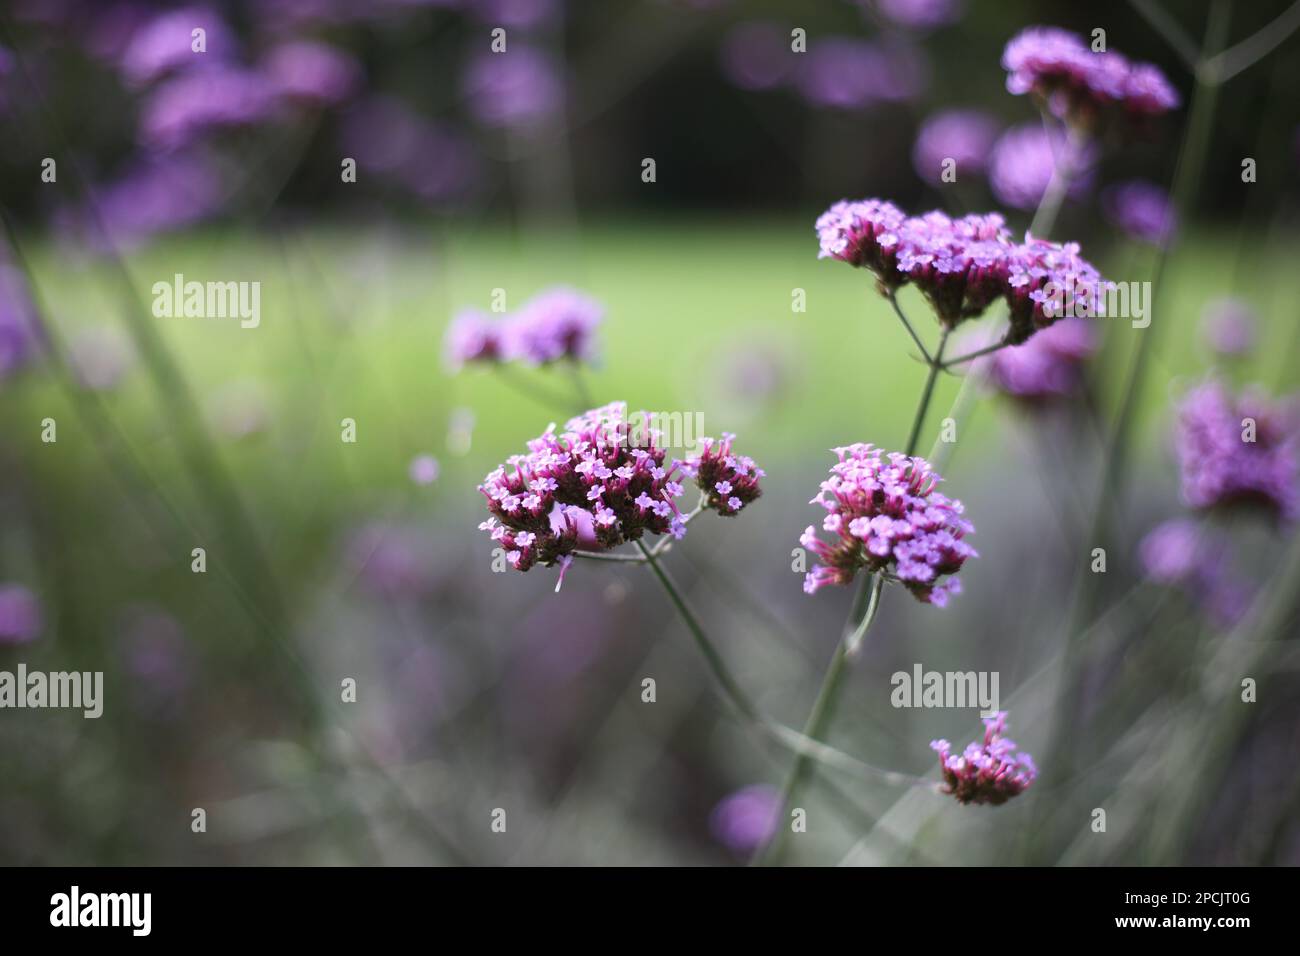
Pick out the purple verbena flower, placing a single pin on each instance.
(518, 87)
(728, 481)
(864, 233)
(473, 336)
(757, 56)
(424, 469)
(1186, 554)
(1059, 68)
(959, 265)
(1047, 367)
(991, 772)
(848, 73)
(1142, 210)
(604, 479)
(919, 14)
(1239, 451)
(312, 73)
(1024, 159)
(204, 100)
(20, 336)
(1047, 281)
(558, 323)
(964, 136)
(166, 43)
(886, 518)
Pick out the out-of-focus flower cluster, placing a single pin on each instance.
(603, 481)
(559, 323)
(1049, 366)
(1142, 210)
(1079, 85)
(887, 518)
(990, 772)
(962, 265)
(1239, 450)
(1187, 554)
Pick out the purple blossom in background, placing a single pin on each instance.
(158, 657)
(603, 481)
(7, 68)
(20, 338)
(1184, 553)
(1229, 326)
(1059, 67)
(20, 615)
(387, 138)
(312, 73)
(517, 88)
(964, 136)
(1142, 210)
(1025, 157)
(1221, 469)
(757, 56)
(391, 561)
(729, 482)
(424, 469)
(991, 772)
(887, 519)
(165, 44)
(847, 73)
(473, 336)
(1049, 366)
(745, 820)
(559, 323)
(918, 14)
(203, 101)
(157, 195)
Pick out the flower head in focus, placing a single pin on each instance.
(1077, 85)
(728, 481)
(1238, 450)
(886, 518)
(991, 772)
(1047, 281)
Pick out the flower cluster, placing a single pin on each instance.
(1238, 450)
(888, 519)
(603, 481)
(1077, 84)
(1025, 158)
(963, 265)
(963, 136)
(558, 323)
(992, 772)
(729, 482)
(1142, 210)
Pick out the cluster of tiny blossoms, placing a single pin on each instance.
(992, 772)
(603, 481)
(559, 323)
(1238, 450)
(887, 518)
(963, 265)
(1078, 84)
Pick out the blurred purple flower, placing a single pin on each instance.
(887, 518)
(1048, 366)
(7, 68)
(517, 88)
(757, 56)
(1077, 84)
(317, 74)
(847, 73)
(1229, 326)
(991, 772)
(165, 43)
(157, 195)
(1024, 158)
(473, 336)
(206, 100)
(745, 820)
(20, 336)
(558, 323)
(423, 469)
(1186, 554)
(386, 137)
(1142, 209)
(391, 560)
(20, 615)
(1221, 468)
(157, 656)
(961, 135)
(919, 14)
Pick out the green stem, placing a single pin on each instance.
(927, 393)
